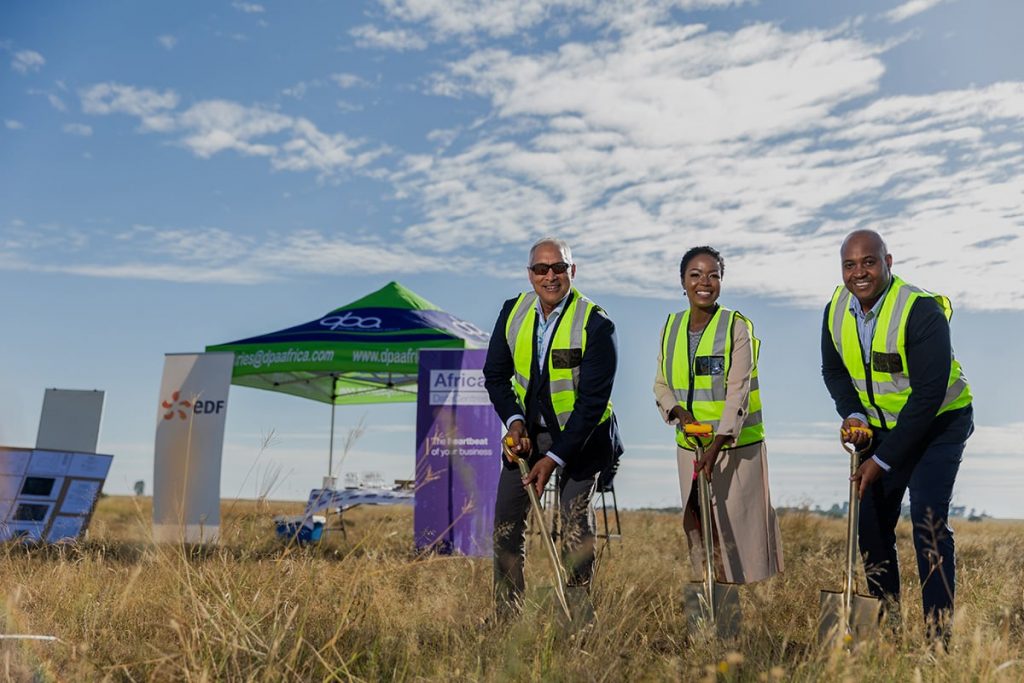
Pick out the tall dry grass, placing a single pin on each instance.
(366, 608)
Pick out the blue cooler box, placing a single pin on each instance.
(291, 527)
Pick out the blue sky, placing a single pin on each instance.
(199, 172)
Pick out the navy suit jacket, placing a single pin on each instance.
(929, 352)
(585, 446)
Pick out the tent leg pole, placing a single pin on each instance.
(330, 451)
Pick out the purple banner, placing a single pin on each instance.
(458, 454)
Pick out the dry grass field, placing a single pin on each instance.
(365, 608)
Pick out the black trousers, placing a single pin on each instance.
(929, 477)
(511, 509)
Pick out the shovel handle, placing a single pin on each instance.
(508, 443)
(695, 434)
(698, 429)
(538, 512)
(853, 519)
(846, 434)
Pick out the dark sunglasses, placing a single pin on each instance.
(543, 268)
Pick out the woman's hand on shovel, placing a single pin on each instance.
(711, 454)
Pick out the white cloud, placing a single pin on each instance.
(767, 143)
(78, 129)
(218, 125)
(210, 127)
(27, 60)
(314, 252)
(770, 144)
(342, 80)
(401, 40)
(821, 440)
(232, 275)
(12, 124)
(500, 18)
(150, 106)
(298, 91)
(55, 101)
(346, 80)
(910, 9)
(167, 41)
(997, 440)
(348, 107)
(248, 7)
(205, 254)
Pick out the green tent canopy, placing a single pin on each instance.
(364, 352)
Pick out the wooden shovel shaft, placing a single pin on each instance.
(549, 542)
(852, 522)
(852, 526)
(704, 499)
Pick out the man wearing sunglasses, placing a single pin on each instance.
(549, 372)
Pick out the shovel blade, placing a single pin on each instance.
(726, 617)
(865, 614)
(833, 629)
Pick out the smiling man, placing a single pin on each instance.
(549, 372)
(887, 361)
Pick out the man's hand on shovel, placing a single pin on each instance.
(859, 435)
(865, 475)
(516, 442)
(539, 475)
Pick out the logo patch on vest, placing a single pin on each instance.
(886, 362)
(709, 365)
(563, 359)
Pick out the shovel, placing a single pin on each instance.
(538, 515)
(709, 604)
(846, 616)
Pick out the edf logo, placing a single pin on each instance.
(180, 407)
(208, 407)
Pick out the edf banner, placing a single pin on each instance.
(190, 419)
(458, 454)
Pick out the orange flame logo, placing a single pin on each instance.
(175, 405)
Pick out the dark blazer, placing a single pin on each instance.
(585, 446)
(929, 351)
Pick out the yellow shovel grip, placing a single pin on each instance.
(848, 433)
(698, 429)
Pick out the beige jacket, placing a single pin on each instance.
(748, 546)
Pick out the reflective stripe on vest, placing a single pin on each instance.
(570, 334)
(883, 384)
(700, 387)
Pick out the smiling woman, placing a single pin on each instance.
(707, 373)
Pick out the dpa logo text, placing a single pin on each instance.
(349, 320)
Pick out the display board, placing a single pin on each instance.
(70, 420)
(190, 418)
(48, 496)
(458, 455)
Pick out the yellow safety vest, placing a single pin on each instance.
(565, 353)
(883, 385)
(700, 387)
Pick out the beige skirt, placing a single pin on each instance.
(748, 546)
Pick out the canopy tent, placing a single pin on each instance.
(364, 352)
